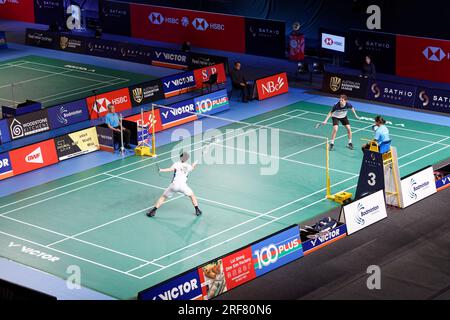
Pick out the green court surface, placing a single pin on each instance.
(52, 81)
(96, 219)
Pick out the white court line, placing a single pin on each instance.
(8, 65)
(71, 255)
(318, 145)
(79, 240)
(263, 225)
(399, 128)
(78, 91)
(9, 100)
(115, 169)
(428, 154)
(34, 79)
(391, 134)
(198, 197)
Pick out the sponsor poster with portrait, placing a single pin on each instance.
(212, 279)
(33, 157)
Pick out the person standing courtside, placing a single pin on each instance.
(368, 69)
(113, 122)
(239, 82)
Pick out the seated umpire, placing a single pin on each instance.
(239, 82)
(112, 120)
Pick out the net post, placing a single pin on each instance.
(153, 123)
(327, 168)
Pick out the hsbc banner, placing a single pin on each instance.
(147, 92)
(272, 86)
(40, 38)
(202, 75)
(184, 287)
(277, 251)
(178, 114)
(28, 124)
(98, 105)
(178, 84)
(68, 113)
(324, 240)
(433, 100)
(365, 212)
(33, 157)
(265, 37)
(352, 86)
(76, 144)
(20, 10)
(170, 58)
(380, 46)
(49, 11)
(4, 131)
(202, 29)
(430, 58)
(115, 17)
(418, 186)
(212, 103)
(395, 93)
(333, 42)
(6, 170)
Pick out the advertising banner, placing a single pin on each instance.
(324, 240)
(70, 43)
(4, 131)
(33, 157)
(418, 186)
(442, 177)
(147, 92)
(430, 58)
(265, 37)
(365, 212)
(28, 124)
(77, 143)
(183, 287)
(105, 138)
(212, 103)
(43, 39)
(136, 53)
(178, 84)
(99, 108)
(272, 86)
(392, 93)
(380, 46)
(352, 86)
(115, 17)
(103, 48)
(238, 268)
(202, 75)
(433, 100)
(20, 10)
(68, 113)
(170, 58)
(201, 60)
(277, 250)
(202, 29)
(6, 170)
(178, 114)
(49, 11)
(3, 44)
(212, 279)
(333, 42)
(297, 47)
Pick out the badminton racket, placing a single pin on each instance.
(321, 124)
(208, 145)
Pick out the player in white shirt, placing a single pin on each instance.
(181, 170)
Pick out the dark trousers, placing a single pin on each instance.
(126, 136)
(245, 91)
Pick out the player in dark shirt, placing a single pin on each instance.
(239, 82)
(339, 114)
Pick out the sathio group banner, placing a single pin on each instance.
(221, 275)
(202, 29)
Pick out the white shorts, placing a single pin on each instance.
(178, 188)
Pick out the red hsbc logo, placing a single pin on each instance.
(98, 106)
(272, 86)
(329, 41)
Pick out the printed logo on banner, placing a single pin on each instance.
(115, 17)
(393, 93)
(238, 268)
(156, 18)
(71, 44)
(184, 287)
(148, 120)
(212, 103)
(29, 124)
(174, 85)
(170, 58)
(147, 92)
(324, 239)
(435, 100)
(277, 251)
(265, 37)
(333, 42)
(178, 114)
(418, 186)
(435, 54)
(40, 38)
(99, 108)
(77, 143)
(272, 86)
(49, 11)
(353, 86)
(202, 75)
(33, 157)
(365, 212)
(213, 279)
(335, 84)
(6, 170)
(67, 114)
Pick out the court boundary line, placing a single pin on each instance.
(34, 79)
